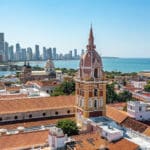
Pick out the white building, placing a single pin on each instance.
(138, 84)
(56, 138)
(111, 133)
(139, 110)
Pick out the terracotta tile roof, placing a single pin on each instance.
(115, 114)
(30, 139)
(13, 88)
(134, 124)
(43, 83)
(23, 140)
(28, 124)
(34, 104)
(147, 131)
(13, 96)
(118, 105)
(98, 142)
(123, 144)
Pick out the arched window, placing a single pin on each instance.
(44, 114)
(68, 111)
(80, 100)
(30, 116)
(90, 103)
(96, 73)
(56, 113)
(95, 92)
(16, 117)
(95, 103)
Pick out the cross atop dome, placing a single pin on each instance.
(91, 45)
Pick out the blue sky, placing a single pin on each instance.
(121, 27)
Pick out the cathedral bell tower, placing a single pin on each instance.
(90, 84)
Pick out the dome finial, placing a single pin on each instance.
(91, 45)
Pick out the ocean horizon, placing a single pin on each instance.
(125, 65)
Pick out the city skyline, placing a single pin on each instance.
(9, 52)
(121, 28)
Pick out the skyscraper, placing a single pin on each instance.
(6, 51)
(1, 47)
(37, 52)
(82, 52)
(23, 54)
(75, 53)
(44, 53)
(18, 52)
(29, 53)
(70, 54)
(11, 53)
(54, 53)
(49, 53)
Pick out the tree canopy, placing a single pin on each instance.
(112, 96)
(69, 127)
(65, 88)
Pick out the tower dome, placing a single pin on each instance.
(49, 66)
(91, 67)
(50, 69)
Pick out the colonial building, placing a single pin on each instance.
(90, 84)
(28, 75)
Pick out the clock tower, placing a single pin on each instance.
(90, 84)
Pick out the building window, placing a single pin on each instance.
(140, 108)
(95, 103)
(44, 114)
(68, 111)
(1, 119)
(30, 116)
(96, 73)
(131, 107)
(101, 102)
(16, 117)
(95, 92)
(56, 113)
(90, 103)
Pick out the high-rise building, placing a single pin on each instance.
(37, 52)
(49, 53)
(82, 52)
(75, 53)
(18, 52)
(90, 85)
(6, 52)
(29, 53)
(44, 53)
(70, 54)
(23, 54)
(11, 53)
(54, 53)
(1, 47)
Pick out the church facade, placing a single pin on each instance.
(28, 75)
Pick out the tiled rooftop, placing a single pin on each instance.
(13, 96)
(89, 141)
(23, 140)
(34, 104)
(93, 141)
(134, 125)
(116, 115)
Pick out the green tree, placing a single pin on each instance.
(125, 96)
(65, 88)
(147, 87)
(69, 127)
(111, 95)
